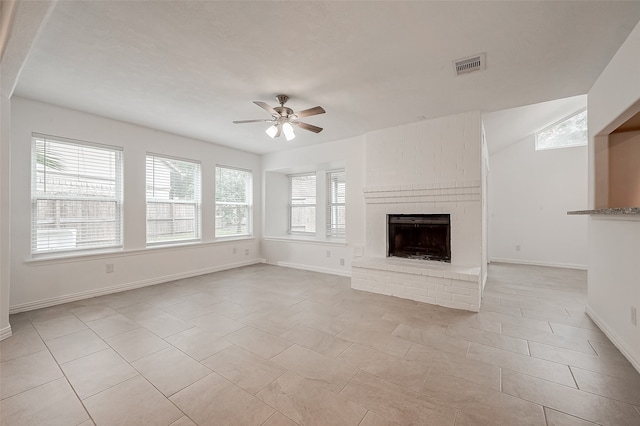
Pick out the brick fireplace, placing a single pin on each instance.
(427, 168)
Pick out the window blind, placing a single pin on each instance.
(173, 200)
(234, 195)
(302, 203)
(76, 195)
(336, 206)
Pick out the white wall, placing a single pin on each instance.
(41, 282)
(20, 27)
(530, 193)
(485, 209)
(5, 224)
(614, 244)
(314, 253)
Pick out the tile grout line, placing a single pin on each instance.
(64, 374)
(130, 364)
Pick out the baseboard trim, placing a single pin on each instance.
(5, 332)
(608, 331)
(538, 263)
(315, 269)
(44, 303)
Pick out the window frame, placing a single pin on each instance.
(292, 205)
(557, 123)
(248, 203)
(334, 229)
(116, 168)
(196, 202)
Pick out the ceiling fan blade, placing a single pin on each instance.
(311, 111)
(307, 126)
(266, 107)
(253, 121)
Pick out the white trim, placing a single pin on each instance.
(302, 240)
(6, 332)
(539, 263)
(127, 286)
(315, 269)
(97, 255)
(618, 342)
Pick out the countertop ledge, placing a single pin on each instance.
(613, 211)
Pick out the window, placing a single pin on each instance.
(336, 214)
(302, 203)
(233, 202)
(568, 132)
(173, 200)
(76, 195)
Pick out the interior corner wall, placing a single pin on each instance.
(5, 225)
(614, 243)
(37, 283)
(484, 199)
(315, 253)
(530, 193)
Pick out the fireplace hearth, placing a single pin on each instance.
(419, 236)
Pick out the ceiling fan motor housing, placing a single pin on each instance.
(284, 111)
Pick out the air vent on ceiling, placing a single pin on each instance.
(471, 64)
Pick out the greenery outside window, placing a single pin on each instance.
(234, 196)
(336, 206)
(76, 195)
(302, 203)
(173, 200)
(568, 132)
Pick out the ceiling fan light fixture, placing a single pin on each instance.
(272, 131)
(287, 129)
(284, 118)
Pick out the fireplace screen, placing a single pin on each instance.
(421, 236)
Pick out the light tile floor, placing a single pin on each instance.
(265, 345)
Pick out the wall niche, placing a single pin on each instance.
(617, 164)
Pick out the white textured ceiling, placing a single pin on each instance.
(192, 67)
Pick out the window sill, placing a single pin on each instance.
(306, 240)
(95, 255)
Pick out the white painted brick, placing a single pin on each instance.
(465, 299)
(440, 281)
(457, 290)
(441, 295)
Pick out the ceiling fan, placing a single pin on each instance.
(283, 118)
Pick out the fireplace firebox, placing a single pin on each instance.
(419, 236)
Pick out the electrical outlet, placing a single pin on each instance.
(341, 262)
(246, 252)
(328, 253)
(634, 316)
(518, 247)
(109, 268)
